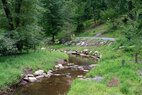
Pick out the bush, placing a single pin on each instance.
(64, 36)
(7, 45)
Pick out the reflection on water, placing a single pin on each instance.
(56, 85)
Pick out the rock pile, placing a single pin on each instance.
(85, 53)
(37, 75)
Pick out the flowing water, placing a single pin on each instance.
(56, 85)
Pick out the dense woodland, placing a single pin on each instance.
(24, 24)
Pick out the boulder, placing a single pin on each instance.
(32, 79)
(39, 72)
(60, 66)
(85, 50)
(74, 52)
(82, 43)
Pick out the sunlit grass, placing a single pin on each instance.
(11, 67)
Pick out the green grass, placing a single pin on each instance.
(12, 67)
(80, 87)
(106, 30)
(111, 66)
(92, 32)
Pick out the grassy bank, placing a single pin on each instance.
(103, 30)
(11, 67)
(119, 80)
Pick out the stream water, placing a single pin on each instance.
(57, 85)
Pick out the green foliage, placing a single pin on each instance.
(19, 23)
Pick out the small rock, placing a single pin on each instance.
(100, 56)
(91, 51)
(39, 77)
(92, 65)
(32, 79)
(78, 44)
(43, 48)
(22, 83)
(29, 75)
(74, 52)
(60, 66)
(85, 79)
(140, 77)
(57, 74)
(50, 71)
(85, 50)
(69, 52)
(97, 78)
(68, 76)
(82, 43)
(39, 72)
(47, 75)
(26, 78)
(81, 68)
(95, 53)
(70, 64)
(82, 54)
(86, 70)
(80, 76)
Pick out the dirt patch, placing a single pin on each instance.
(113, 82)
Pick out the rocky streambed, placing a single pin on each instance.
(57, 81)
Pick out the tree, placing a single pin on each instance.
(134, 32)
(19, 22)
(52, 17)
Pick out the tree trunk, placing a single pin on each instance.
(8, 14)
(94, 17)
(17, 10)
(136, 57)
(53, 38)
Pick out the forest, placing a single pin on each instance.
(36, 34)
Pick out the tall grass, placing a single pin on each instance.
(11, 67)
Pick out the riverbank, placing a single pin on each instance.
(118, 79)
(12, 67)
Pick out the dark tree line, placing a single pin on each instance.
(25, 23)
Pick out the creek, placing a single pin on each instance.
(60, 82)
